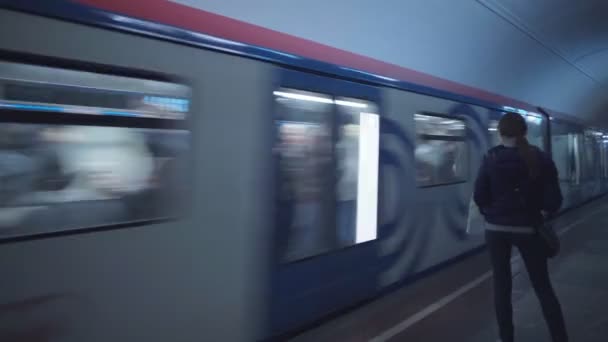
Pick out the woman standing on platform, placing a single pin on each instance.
(516, 187)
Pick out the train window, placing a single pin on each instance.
(493, 132)
(69, 168)
(589, 155)
(576, 157)
(441, 150)
(562, 155)
(46, 89)
(536, 130)
(604, 157)
(565, 142)
(328, 166)
(586, 151)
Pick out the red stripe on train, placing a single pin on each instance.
(171, 13)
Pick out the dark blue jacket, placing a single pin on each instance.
(507, 195)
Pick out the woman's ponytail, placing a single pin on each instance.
(513, 125)
(529, 155)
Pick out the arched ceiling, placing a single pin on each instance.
(550, 53)
(576, 31)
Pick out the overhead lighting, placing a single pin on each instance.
(350, 104)
(534, 119)
(493, 129)
(319, 99)
(515, 110)
(302, 97)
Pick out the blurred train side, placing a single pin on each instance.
(215, 274)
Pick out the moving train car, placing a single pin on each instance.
(158, 181)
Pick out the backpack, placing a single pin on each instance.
(551, 198)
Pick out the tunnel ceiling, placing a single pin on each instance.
(576, 30)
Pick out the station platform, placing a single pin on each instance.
(457, 304)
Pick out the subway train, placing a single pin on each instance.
(190, 184)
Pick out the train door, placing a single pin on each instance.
(326, 191)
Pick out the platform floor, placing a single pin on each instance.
(456, 304)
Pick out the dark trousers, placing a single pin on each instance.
(530, 248)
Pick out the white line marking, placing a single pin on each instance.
(420, 315)
(429, 310)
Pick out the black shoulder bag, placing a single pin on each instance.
(549, 238)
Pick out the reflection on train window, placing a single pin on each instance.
(590, 151)
(327, 152)
(493, 132)
(66, 177)
(49, 89)
(63, 176)
(561, 148)
(441, 150)
(536, 129)
(565, 147)
(575, 153)
(604, 156)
